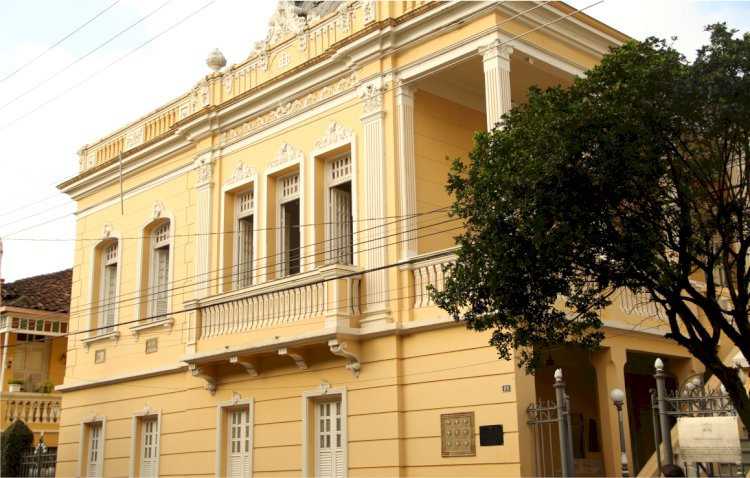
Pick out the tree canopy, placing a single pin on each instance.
(636, 177)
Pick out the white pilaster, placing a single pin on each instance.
(496, 59)
(407, 170)
(375, 206)
(204, 186)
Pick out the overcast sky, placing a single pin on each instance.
(89, 84)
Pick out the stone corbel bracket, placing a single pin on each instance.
(340, 349)
(295, 354)
(210, 381)
(250, 367)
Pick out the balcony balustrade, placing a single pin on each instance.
(32, 408)
(331, 291)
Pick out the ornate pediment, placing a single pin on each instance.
(242, 172)
(286, 154)
(335, 133)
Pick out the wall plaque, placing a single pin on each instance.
(100, 355)
(152, 345)
(491, 435)
(457, 434)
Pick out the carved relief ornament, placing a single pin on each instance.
(335, 133)
(288, 108)
(372, 98)
(286, 154)
(204, 166)
(242, 172)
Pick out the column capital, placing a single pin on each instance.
(405, 89)
(496, 49)
(372, 97)
(205, 166)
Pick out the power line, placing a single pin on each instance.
(135, 296)
(189, 309)
(54, 75)
(302, 124)
(103, 69)
(60, 41)
(139, 295)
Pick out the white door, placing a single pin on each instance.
(329, 446)
(238, 461)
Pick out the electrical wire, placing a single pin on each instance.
(104, 68)
(60, 41)
(75, 62)
(450, 64)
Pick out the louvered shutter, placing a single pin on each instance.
(94, 465)
(329, 446)
(245, 252)
(149, 448)
(110, 279)
(238, 461)
(339, 227)
(161, 264)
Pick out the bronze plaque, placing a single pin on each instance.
(457, 434)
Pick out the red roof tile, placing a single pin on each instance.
(50, 292)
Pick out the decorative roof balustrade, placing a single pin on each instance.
(293, 40)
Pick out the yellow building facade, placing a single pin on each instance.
(253, 261)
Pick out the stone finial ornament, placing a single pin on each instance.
(216, 60)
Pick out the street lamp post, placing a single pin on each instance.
(618, 397)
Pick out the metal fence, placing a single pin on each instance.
(550, 424)
(692, 399)
(39, 461)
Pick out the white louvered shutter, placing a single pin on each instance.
(329, 446)
(109, 289)
(340, 227)
(238, 461)
(110, 279)
(149, 448)
(244, 212)
(245, 276)
(94, 462)
(160, 287)
(161, 264)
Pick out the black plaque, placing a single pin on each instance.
(490, 435)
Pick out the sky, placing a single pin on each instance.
(71, 72)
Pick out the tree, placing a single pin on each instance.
(16, 440)
(636, 176)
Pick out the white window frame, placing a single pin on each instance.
(287, 194)
(337, 141)
(108, 288)
(338, 171)
(310, 451)
(137, 447)
(223, 434)
(84, 451)
(144, 286)
(244, 267)
(95, 314)
(159, 281)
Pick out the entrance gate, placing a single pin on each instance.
(550, 424)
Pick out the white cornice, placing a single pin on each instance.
(163, 178)
(131, 165)
(313, 337)
(123, 377)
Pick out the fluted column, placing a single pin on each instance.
(204, 186)
(375, 206)
(496, 60)
(407, 170)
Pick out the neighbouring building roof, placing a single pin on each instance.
(50, 292)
